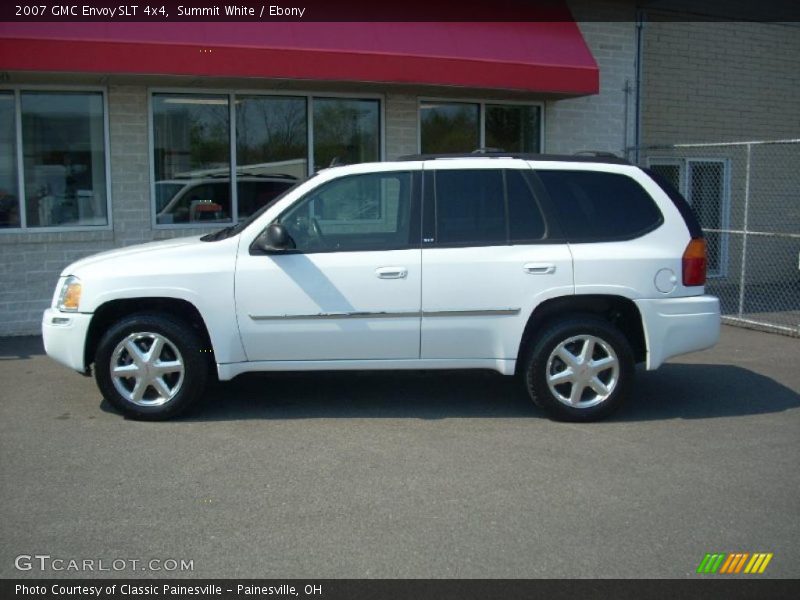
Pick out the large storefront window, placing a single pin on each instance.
(191, 145)
(514, 128)
(452, 127)
(9, 195)
(463, 127)
(345, 131)
(63, 181)
(273, 149)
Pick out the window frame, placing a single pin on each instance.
(683, 164)
(481, 102)
(17, 91)
(231, 95)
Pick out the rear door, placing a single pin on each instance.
(489, 257)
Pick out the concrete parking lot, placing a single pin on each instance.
(409, 474)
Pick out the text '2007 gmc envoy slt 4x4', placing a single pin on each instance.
(564, 271)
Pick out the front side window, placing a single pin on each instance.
(357, 212)
(596, 206)
(64, 164)
(191, 142)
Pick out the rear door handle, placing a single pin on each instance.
(391, 272)
(539, 268)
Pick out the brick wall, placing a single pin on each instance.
(720, 82)
(401, 125)
(604, 122)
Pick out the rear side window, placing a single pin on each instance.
(679, 201)
(485, 207)
(470, 207)
(596, 206)
(525, 221)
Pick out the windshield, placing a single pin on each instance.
(227, 232)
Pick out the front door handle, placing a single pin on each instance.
(539, 268)
(391, 272)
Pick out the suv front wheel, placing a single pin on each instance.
(151, 366)
(579, 369)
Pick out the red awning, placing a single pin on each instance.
(548, 57)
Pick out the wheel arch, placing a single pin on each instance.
(620, 311)
(114, 310)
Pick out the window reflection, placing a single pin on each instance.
(271, 148)
(451, 127)
(63, 140)
(9, 194)
(191, 146)
(512, 128)
(346, 131)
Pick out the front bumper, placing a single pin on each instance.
(64, 336)
(674, 326)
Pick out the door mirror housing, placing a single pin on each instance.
(275, 238)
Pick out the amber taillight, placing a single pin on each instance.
(694, 263)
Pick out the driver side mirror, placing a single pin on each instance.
(275, 239)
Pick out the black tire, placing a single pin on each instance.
(541, 361)
(176, 335)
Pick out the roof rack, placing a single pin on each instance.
(585, 156)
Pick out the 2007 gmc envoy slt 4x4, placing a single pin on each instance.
(565, 271)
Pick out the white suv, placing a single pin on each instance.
(563, 270)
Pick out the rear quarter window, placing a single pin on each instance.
(597, 206)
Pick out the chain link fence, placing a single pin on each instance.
(746, 196)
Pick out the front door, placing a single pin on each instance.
(351, 288)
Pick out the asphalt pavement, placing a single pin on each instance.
(406, 474)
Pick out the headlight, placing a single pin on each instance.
(70, 295)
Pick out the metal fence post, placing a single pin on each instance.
(743, 267)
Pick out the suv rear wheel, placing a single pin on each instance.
(579, 369)
(151, 366)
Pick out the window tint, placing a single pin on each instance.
(470, 207)
(600, 206)
(525, 221)
(359, 212)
